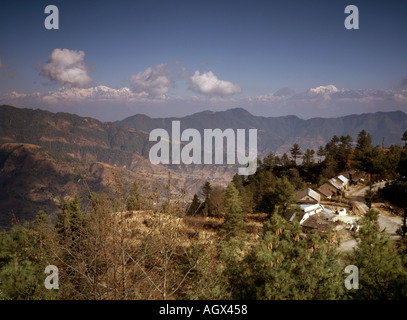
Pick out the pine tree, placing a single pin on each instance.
(41, 219)
(70, 217)
(270, 162)
(22, 263)
(278, 198)
(246, 196)
(392, 161)
(134, 200)
(364, 141)
(308, 157)
(287, 264)
(237, 181)
(381, 273)
(402, 165)
(321, 153)
(404, 138)
(208, 281)
(294, 177)
(195, 207)
(369, 197)
(285, 160)
(233, 225)
(233, 232)
(295, 152)
(207, 192)
(371, 161)
(344, 152)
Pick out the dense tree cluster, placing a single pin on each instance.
(395, 191)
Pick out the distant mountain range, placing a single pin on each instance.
(278, 134)
(43, 154)
(117, 143)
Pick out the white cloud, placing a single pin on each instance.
(68, 68)
(154, 82)
(401, 96)
(209, 84)
(99, 93)
(323, 90)
(71, 95)
(12, 96)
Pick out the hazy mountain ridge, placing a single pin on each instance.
(275, 134)
(124, 142)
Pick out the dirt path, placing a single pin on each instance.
(389, 222)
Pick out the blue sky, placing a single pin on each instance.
(165, 58)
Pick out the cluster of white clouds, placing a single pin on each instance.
(155, 82)
(148, 92)
(331, 92)
(67, 95)
(324, 90)
(209, 84)
(96, 94)
(67, 67)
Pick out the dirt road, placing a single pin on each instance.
(387, 221)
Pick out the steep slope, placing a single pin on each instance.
(32, 179)
(85, 139)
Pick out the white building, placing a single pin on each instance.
(344, 180)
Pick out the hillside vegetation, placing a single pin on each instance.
(127, 242)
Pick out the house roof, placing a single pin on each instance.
(296, 215)
(325, 190)
(309, 207)
(336, 183)
(318, 222)
(343, 179)
(351, 175)
(310, 193)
